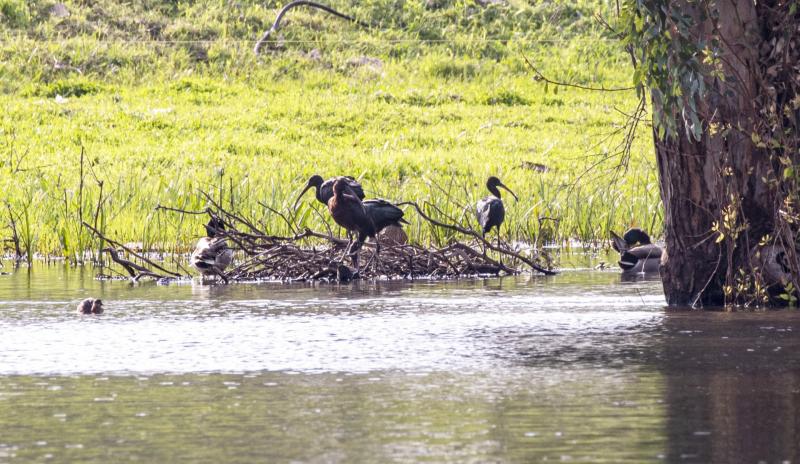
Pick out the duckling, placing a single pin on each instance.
(637, 253)
(211, 255)
(90, 306)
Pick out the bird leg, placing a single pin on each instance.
(500, 259)
(374, 260)
(355, 253)
(347, 248)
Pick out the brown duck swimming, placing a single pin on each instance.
(90, 306)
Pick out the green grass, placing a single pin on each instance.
(160, 118)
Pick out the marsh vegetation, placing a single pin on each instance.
(113, 109)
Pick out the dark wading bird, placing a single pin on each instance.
(211, 255)
(637, 253)
(90, 306)
(388, 217)
(490, 210)
(323, 191)
(382, 213)
(348, 211)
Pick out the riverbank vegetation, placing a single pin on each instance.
(111, 109)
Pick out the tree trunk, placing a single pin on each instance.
(722, 193)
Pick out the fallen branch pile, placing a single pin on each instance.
(310, 255)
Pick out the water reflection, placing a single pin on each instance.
(732, 386)
(580, 367)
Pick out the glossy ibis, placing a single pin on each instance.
(211, 255)
(90, 306)
(637, 253)
(491, 212)
(324, 190)
(348, 211)
(388, 220)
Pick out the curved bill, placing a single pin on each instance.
(308, 186)
(508, 190)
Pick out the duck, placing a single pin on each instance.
(211, 255)
(90, 306)
(490, 210)
(637, 253)
(323, 189)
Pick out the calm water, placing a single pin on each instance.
(579, 367)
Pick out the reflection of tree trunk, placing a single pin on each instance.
(742, 408)
(732, 399)
(725, 170)
(730, 417)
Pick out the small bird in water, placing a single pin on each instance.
(348, 211)
(211, 255)
(490, 210)
(323, 191)
(90, 306)
(637, 253)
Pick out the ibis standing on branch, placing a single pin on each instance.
(382, 213)
(323, 190)
(348, 211)
(490, 210)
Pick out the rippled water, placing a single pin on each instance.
(578, 367)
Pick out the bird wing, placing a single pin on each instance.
(355, 187)
(326, 189)
(629, 258)
(211, 253)
(618, 244)
(383, 213)
(490, 212)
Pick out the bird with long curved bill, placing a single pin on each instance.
(211, 255)
(323, 190)
(490, 210)
(348, 211)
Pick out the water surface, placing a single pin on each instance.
(579, 367)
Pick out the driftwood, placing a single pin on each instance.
(312, 255)
(135, 270)
(265, 37)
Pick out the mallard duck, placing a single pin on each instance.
(637, 253)
(211, 255)
(490, 210)
(90, 306)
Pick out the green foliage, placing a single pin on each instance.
(670, 61)
(413, 120)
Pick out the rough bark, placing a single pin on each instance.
(704, 182)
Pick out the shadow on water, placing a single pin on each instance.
(579, 367)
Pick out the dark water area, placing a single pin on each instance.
(579, 367)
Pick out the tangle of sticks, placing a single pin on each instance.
(310, 255)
